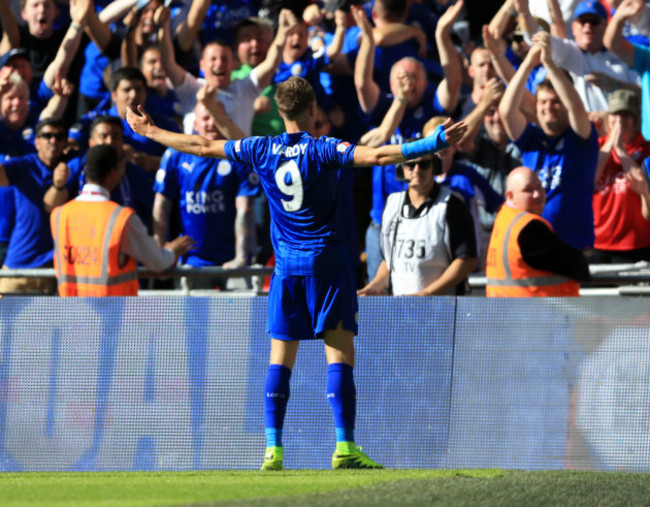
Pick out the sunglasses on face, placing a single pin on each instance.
(592, 20)
(58, 136)
(424, 165)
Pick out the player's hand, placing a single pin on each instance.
(60, 174)
(454, 132)
(139, 121)
(181, 245)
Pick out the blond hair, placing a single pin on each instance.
(431, 125)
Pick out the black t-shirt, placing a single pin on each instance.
(542, 249)
(41, 52)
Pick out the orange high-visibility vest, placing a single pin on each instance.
(507, 273)
(87, 239)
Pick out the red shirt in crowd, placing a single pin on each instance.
(618, 223)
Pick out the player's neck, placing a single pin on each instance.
(292, 126)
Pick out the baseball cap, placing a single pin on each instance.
(624, 100)
(592, 7)
(343, 5)
(141, 4)
(4, 59)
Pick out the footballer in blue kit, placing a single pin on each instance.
(312, 293)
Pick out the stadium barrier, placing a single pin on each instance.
(607, 279)
(177, 384)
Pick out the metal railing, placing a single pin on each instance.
(607, 279)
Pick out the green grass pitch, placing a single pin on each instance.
(309, 487)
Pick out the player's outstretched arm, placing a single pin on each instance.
(446, 135)
(144, 125)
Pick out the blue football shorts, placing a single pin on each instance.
(303, 307)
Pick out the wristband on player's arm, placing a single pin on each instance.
(435, 142)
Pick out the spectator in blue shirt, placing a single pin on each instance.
(562, 148)
(216, 201)
(33, 178)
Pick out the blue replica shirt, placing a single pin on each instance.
(300, 177)
(385, 56)
(13, 143)
(134, 190)
(221, 18)
(466, 181)
(206, 189)
(383, 178)
(168, 106)
(81, 130)
(566, 166)
(308, 67)
(91, 83)
(16, 143)
(30, 245)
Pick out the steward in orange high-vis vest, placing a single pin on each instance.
(525, 257)
(97, 242)
(507, 273)
(87, 242)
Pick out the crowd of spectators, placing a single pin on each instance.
(559, 86)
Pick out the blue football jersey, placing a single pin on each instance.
(206, 189)
(566, 165)
(30, 245)
(300, 177)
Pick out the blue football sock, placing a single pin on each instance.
(342, 396)
(275, 402)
